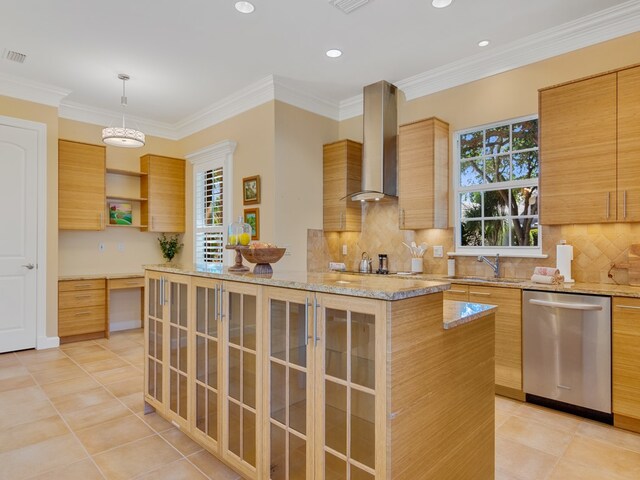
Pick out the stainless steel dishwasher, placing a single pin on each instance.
(567, 351)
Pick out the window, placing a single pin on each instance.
(497, 188)
(212, 202)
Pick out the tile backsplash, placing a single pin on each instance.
(595, 248)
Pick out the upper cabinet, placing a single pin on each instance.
(589, 147)
(629, 145)
(81, 186)
(342, 173)
(163, 188)
(423, 174)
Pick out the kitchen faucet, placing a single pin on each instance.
(495, 267)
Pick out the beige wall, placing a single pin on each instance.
(298, 182)
(504, 96)
(12, 107)
(253, 131)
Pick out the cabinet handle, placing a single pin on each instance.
(341, 220)
(152, 223)
(608, 204)
(101, 220)
(628, 307)
(402, 217)
(453, 290)
(482, 294)
(82, 314)
(78, 297)
(132, 282)
(306, 321)
(220, 303)
(82, 285)
(624, 204)
(315, 322)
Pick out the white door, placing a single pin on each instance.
(18, 237)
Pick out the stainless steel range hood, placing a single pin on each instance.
(380, 153)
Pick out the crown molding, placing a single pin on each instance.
(17, 87)
(99, 116)
(599, 27)
(293, 96)
(213, 152)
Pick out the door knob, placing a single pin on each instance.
(29, 266)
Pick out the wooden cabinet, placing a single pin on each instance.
(167, 346)
(81, 309)
(81, 186)
(163, 186)
(423, 174)
(626, 363)
(628, 166)
(589, 149)
(508, 332)
(342, 173)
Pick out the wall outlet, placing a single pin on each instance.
(437, 251)
(344, 249)
(120, 246)
(101, 247)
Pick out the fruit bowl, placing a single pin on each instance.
(263, 257)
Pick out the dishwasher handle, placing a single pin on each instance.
(568, 306)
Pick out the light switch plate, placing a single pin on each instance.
(344, 249)
(437, 251)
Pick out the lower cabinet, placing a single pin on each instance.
(81, 309)
(321, 377)
(626, 363)
(508, 331)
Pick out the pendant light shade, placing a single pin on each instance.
(123, 136)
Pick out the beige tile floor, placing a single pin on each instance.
(76, 412)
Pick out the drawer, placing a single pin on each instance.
(457, 292)
(75, 285)
(118, 283)
(81, 298)
(76, 321)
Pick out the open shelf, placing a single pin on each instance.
(129, 199)
(125, 226)
(129, 173)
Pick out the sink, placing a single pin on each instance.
(488, 279)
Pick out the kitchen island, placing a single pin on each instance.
(312, 375)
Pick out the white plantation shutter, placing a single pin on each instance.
(209, 232)
(212, 202)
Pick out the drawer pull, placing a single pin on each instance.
(82, 285)
(82, 314)
(78, 297)
(452, 290)
(482, 294)
(628, 307)
(132, 282)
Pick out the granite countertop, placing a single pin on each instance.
(379, 287)
(107, 276)
(608, 289)
(459, 313)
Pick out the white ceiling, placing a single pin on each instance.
(191, 56)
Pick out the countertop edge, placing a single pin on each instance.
(460, 313)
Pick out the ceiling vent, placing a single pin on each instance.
(14, 56)
(348, 6)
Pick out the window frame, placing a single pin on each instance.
(511, 251)
(211, 158)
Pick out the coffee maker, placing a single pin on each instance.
(383, 264)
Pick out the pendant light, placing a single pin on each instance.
(123, 136)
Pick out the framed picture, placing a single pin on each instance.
(252, 217)
(251, 190)
(119, 213)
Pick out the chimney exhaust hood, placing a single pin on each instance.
(380, 153)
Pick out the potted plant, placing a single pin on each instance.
(170, 246)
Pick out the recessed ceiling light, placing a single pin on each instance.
(441, 3)
(483, 43)
(334, 53)
(245, 7)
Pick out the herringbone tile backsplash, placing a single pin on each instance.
(595, 248)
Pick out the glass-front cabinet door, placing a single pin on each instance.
(242, 326)
(288, 381)
(207, 308)
(349, 375)
(177, 302)
(153, 345)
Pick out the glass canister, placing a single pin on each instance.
(239, 233)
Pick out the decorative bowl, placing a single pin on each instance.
(263, 257)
